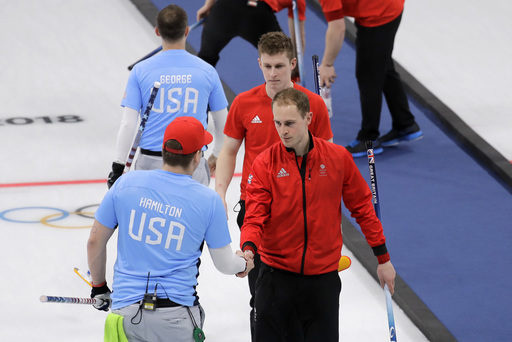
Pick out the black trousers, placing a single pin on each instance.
(234, 18)
(308, 303)
(253, 275)
(376, 75)
(293, 329)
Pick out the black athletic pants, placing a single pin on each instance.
(285, 299)
(376, 75)
(231, 18)
(294, 328)
(253, 275)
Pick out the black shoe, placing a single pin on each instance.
(358, 148)
(393, 137)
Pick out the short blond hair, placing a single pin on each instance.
(274, 43)
(292, 96)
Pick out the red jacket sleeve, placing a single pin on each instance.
(333, 9)
(358, 200)
(258, 202)
(320, 125)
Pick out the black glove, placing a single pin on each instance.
(117, 171)
(103, 293)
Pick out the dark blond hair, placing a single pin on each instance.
(174, 159)
(274, 43)
(292, 96)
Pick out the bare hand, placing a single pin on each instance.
(248, 254)
(327, 75)
(203, 11)
(249, 263)
(386, 273)
(212, 164)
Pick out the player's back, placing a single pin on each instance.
(189, 86)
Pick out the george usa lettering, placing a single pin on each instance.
(185, 99)
(175, 79)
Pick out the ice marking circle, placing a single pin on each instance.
(49, 215)
(45, 220)
(62, 212)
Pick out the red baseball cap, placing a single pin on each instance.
(189, 132)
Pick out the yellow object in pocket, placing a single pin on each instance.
(114, 331)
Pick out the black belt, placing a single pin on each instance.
(151, 153)
(157, 154)
(165, 303)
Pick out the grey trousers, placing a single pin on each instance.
(162, 325)
(146, 162)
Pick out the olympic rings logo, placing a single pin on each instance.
(30, 214)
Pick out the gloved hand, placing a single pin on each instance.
(117, 171)
(102, 292)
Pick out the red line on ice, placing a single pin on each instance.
(71, 182)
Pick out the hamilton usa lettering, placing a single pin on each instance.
(159, 207)
(175, 230)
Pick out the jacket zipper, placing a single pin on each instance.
(302, 171)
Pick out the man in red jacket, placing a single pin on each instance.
(293, 220)
(377, 23)
(250, 121)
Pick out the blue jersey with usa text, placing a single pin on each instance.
(163, 218)
(188, 86)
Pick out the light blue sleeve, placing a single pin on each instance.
(132, 96)
(106, 213)
(217, 233)
(217, 100)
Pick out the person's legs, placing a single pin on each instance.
(144, 325)
(274, 304)
(396, 98)
(404, 126)
(202, 173)
(252, 278)
(319, 307)
(132, 322)
(220, 27)
(258, 21)
(393, 88)
(376, 75)
(147, 162)
(294, 332)
(373, 51)
(253, 275)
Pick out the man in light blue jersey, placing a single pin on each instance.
(163, 217)
(188, 87)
